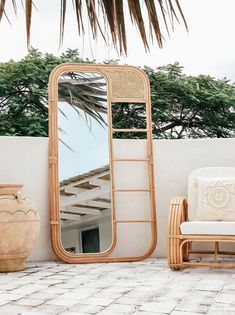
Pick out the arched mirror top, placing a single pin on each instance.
(126, 83)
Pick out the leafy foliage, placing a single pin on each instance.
(182, 106)
(129, 116)
(190, 106)
(24, 90)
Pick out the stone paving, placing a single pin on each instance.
(142, 288)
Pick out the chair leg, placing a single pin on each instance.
(174, 255)
(186, 248)
(216, 250)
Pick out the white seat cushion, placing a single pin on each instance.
(208, 227)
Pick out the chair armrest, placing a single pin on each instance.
(178, 213)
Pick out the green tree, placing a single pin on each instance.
(112, 13)
(182, 106)
(191, 106)
(24, 93)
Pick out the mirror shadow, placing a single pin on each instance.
(84, 173)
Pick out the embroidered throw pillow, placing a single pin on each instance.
(216, 199)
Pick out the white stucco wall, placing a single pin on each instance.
(25, 160)
(70, 238)
(174, 161)
(105, 235)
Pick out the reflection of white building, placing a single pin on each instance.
(85, 211)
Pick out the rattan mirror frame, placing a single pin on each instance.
(143, 96)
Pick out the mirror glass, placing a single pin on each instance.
(84, 176)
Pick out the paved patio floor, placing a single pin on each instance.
(146, 287)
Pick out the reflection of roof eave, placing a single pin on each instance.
(86, 220)
(83, 176)
(85, 199)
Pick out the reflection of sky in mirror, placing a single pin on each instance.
(88, 140)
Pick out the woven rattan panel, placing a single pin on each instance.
(126, 84)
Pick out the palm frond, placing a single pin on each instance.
(78, 9)
(136, 14)
(28, 15)
(121, 26)
(62, 19)
(113, 14)
(14, 6)
(84, 92)
(2, 8)
(108, 9)
(181, 13)
(154, 19)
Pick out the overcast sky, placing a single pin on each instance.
(85, 143)
(208, 48)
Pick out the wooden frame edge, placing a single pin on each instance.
(53, 159)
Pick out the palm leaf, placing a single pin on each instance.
(181, 13)
(136, 15)
(78, 9)
(28, 14)
(2, 6)
(121, 26)
(83, 92)
(108, 9)
(113, 14)
(62, 20)
(2, 10)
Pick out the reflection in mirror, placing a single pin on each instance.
(85, 197)
(129, 116)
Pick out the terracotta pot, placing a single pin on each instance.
(19, 226)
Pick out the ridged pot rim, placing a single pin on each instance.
(10, 188)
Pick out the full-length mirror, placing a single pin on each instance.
(102, 202)
(84, 172)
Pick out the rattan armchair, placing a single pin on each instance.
(184, 230)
